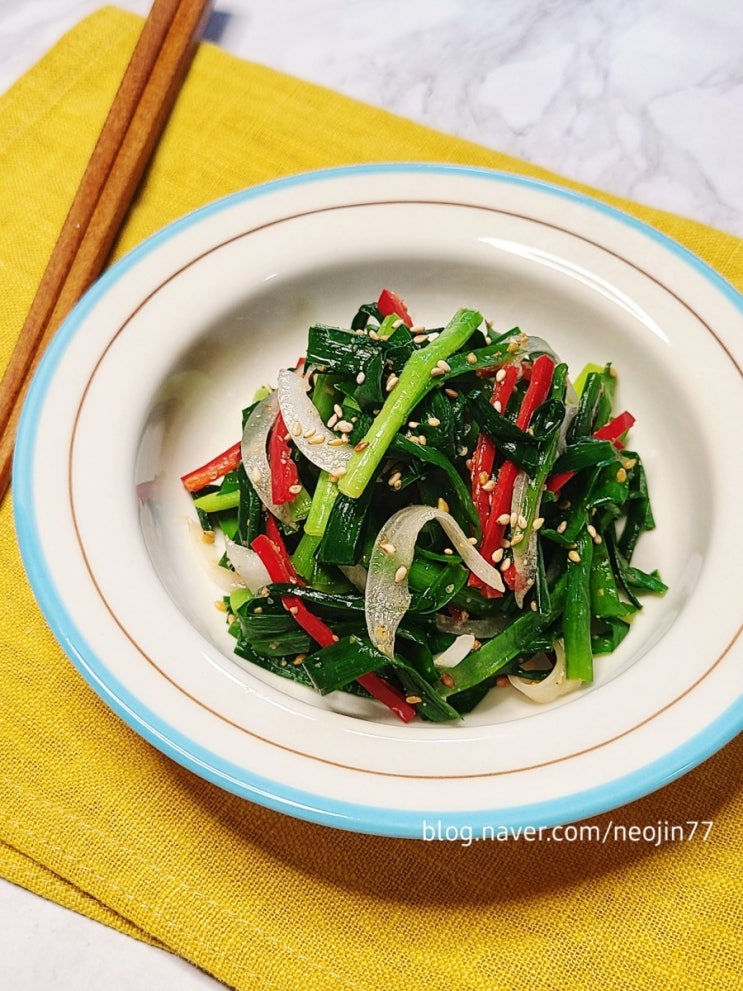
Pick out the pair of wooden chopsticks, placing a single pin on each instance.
(146, 95)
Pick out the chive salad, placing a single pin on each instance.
(423, 516)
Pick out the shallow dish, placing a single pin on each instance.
(147, 377)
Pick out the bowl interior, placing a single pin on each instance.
(242, 312)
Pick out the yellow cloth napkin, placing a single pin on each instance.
(95, 818)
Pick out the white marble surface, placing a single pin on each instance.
(640, 97)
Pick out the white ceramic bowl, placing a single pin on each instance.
(147, 378)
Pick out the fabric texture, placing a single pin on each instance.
(96, 819)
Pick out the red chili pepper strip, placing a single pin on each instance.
(483, 457)
(612, 431)
(284, 474)
(390, 303)
(502, 495)
(275, 557)
(226, 461)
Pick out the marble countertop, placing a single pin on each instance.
(643, 98)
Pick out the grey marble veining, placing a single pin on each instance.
(643, 98)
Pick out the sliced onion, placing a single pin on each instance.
(255, 458)
(388, 599)
(300, 416)
(248, 566)
(456, 651)
(227, 580)
(553, 686)
(534, 345)
(525, 552)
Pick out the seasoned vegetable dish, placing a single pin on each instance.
(426, 515)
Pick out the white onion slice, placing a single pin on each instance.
(525, 552)
(553, 686)
(225, 579)
(255, 458)
(248, 566)
(387, 593)
(456, 651)
(301, 416)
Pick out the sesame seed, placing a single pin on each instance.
(598, 539)
(500, 375)
(221, 605)
(297, 429)
(361, 446)
(387, 547)
(451, 393)
(444, 365)
(533, 605)
(562, 527)
(517, 539)
(483, 477)
(504, 519)
(395, 476)
(360, 378)
(497, 555)
(512, 347)
(256, 476)
(468, 464)
(338, 410)
(448, 551)
(591, 530)
(433, 421)
(373, 335)
(522, 522)
(344, 427)
(471, 358)
(489, 485)
(463, 452)
(505, 564)
(472, 540)
(396, 323)
(338, 472)
(333, 420)
(413, 424)
(437, 372)
(513, 519)
(309, 432)
(447, 681)
(433, 335)
(574, 556)
(337, 441)
(422, 439)
(538, 523)
(418, 328)
(401, 574)
(317, 439)
(420, 338)
(295, 489)
(621, 475)
(299, 659)
(413, 699)
(391, 383)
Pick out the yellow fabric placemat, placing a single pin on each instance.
(96, 819)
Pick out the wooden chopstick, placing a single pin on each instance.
(127, 140)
